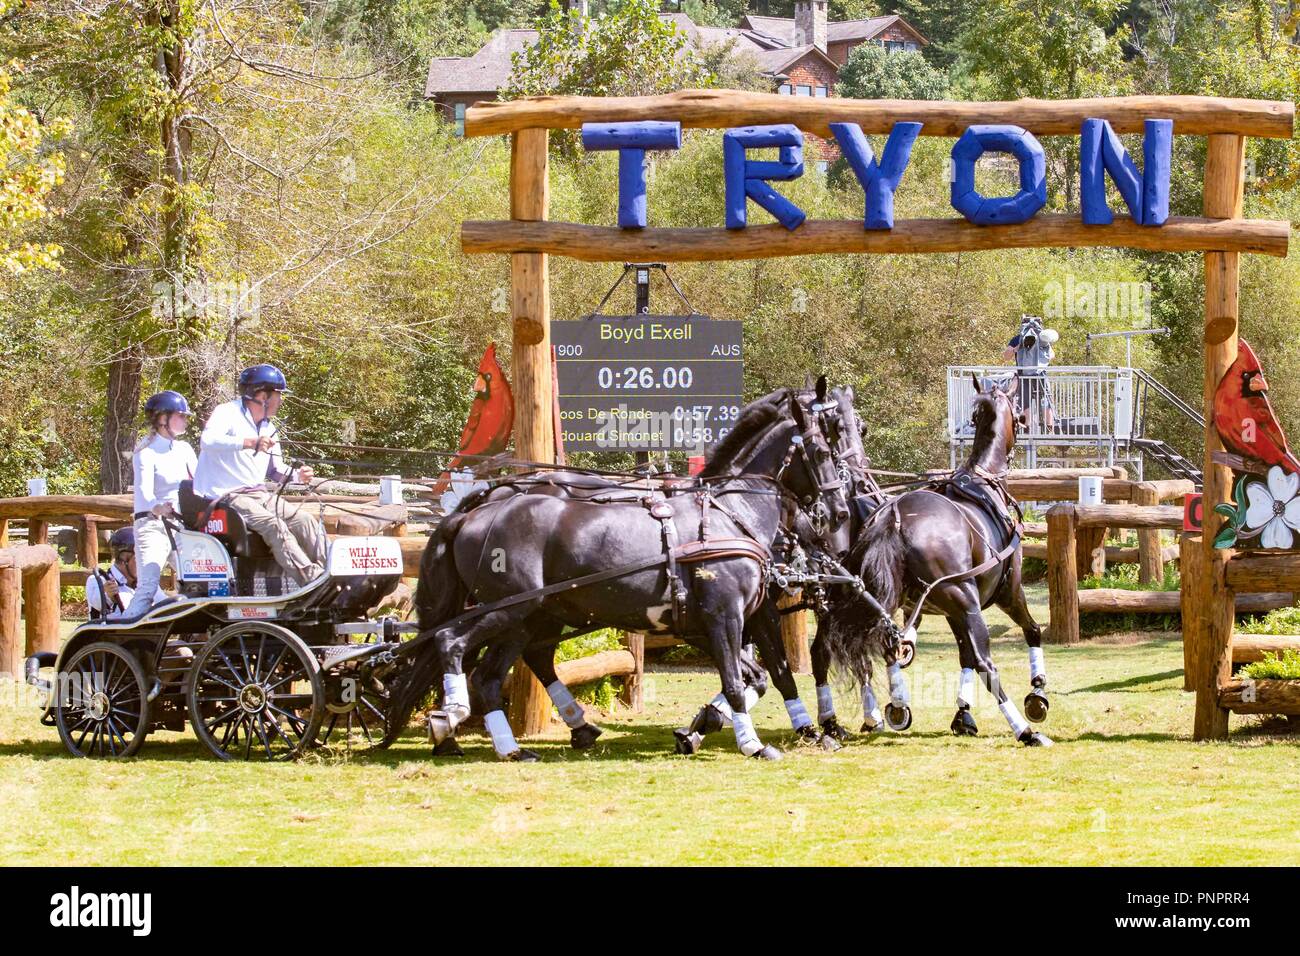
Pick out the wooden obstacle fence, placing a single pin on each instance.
(1066, 526)
(29, 592)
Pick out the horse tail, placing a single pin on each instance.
(439, 596)
(879, 559)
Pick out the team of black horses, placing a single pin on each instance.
(786, 502)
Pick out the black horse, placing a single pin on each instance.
(839, 423)
(951, 549)
(519, 553)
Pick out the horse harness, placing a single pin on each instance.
(988, 492)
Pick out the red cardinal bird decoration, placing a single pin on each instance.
(1244, 416)
(491, 416)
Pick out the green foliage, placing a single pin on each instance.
(1284, 620)
(1274, 667)
(1125, 578)
(872, 72)
(630, 51)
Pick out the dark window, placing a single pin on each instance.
(460, 119)
(803, 90)
(821, 91)
(894, 46)
(784, 89)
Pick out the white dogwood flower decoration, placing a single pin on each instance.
(1275, 508)
(462, 484)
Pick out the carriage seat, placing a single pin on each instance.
(221, 522)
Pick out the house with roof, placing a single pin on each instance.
(801, 55)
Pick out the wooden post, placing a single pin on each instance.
(41, 600)
(38, 531)
(11, 647)
(794, 633)
(1151, 566)
(88, 542)
(1062, 576)
(1224, 182)
(530, 296)
(633, 693)
(1191, 570)
(4, 533)
(1090, 551)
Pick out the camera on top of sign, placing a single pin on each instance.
(350, 557)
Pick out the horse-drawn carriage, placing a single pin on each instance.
(258, 670)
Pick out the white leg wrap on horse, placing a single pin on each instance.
(871, 707)
(503, 740)
(825, 703)
(1036, 668)
(570, 710)
(720, 704)
(746, 737)
(1018, 724)
(455, 691)
(966, 692)
(898, 693)
(798, 714)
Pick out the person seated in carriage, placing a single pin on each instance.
(238, 453)
(160, 463)
(109, 592)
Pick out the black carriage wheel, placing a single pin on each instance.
(356, 709)
(100, 705)
(255, 693)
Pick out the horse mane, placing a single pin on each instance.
(752, 423)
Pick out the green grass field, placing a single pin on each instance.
(1124, 785)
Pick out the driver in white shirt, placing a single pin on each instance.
(238, 452)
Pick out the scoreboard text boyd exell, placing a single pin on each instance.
(647, 382)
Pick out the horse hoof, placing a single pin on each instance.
(580, 738)
(898, 716)
(687, 742)
(963, 724)
(830, 744)
(831, 727)
(869, 728)
(522, 756)
(906, 653)
(1032, 738)
(768, 753)
(1036, 705)
(808, 734)
(448, 747)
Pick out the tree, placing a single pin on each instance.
(872, 72)
(630, 51)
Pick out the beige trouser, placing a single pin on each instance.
(293, 535)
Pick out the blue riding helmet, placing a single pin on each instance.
(123, 539)
(166, 403)
(260, 377)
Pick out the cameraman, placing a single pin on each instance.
(1031, 348)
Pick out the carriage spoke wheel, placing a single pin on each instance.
(100, 708)
(356, 713)
(357, 706)
(255, 693)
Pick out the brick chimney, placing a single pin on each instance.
(810, 23)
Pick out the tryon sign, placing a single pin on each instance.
(1101, 155)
